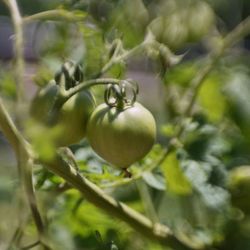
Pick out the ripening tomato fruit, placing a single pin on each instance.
(71, 118)
(121, 136)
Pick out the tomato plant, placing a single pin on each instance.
(71, 118)
(184, 186)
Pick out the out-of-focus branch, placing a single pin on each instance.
(57, 14)
(18, 47)
(93, 193)
(20, 146)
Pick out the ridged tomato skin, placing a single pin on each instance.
(121, 136)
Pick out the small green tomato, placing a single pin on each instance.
(121, 135)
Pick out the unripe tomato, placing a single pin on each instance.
(170, 30)
(71, 118)
(121, 135)
(43, 101)
(239, 187)
(179, 24)
(200, 20)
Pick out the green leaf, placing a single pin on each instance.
(7, 85)
(211, 98)
(154, 180)
(198, 173)
(175, 179)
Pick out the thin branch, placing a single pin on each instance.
(18, 47)
(147, 201)
(119, 58)
(57, 14)
(90, 83)
(24, 156)
(96, 195)
(241, 31)
(31, 245)
(19, 144)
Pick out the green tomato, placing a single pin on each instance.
(200, 20)
(43, 101)
(71, 119)
(170, 30)
(239, 187)
(121, 136)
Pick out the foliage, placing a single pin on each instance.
(194, 183)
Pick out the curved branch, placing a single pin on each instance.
(105, 202)
(88, 84)
(55, 15)
(93, 193)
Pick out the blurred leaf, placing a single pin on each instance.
(168, 130)
(181, 74)
(154, 180)
(113, 246)
(198, 174)
(238, 94)
(136, 15)
(175, 179)
(8, 85)
(95, 52)
(43, 138)
(118, 70)
(211, 98)
(43, 76)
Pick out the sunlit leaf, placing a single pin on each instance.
(211, 98)
(175, 179)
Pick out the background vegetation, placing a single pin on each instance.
(191, 60)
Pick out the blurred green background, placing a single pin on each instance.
(201, 191)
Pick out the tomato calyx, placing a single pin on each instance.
(69, 75)
(121, 95)
(127, 174)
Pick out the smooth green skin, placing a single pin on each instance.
(121, 136)
(239, 187)
(72, 118)
(43, 101)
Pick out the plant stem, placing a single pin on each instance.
(90, 83)
(20, 146)
(25, 163)
(18, 47)
(54, 15)
(119, 58)
(31, 245)
(63, 95)
(93, 193)
(97, 197)
(147, 200)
